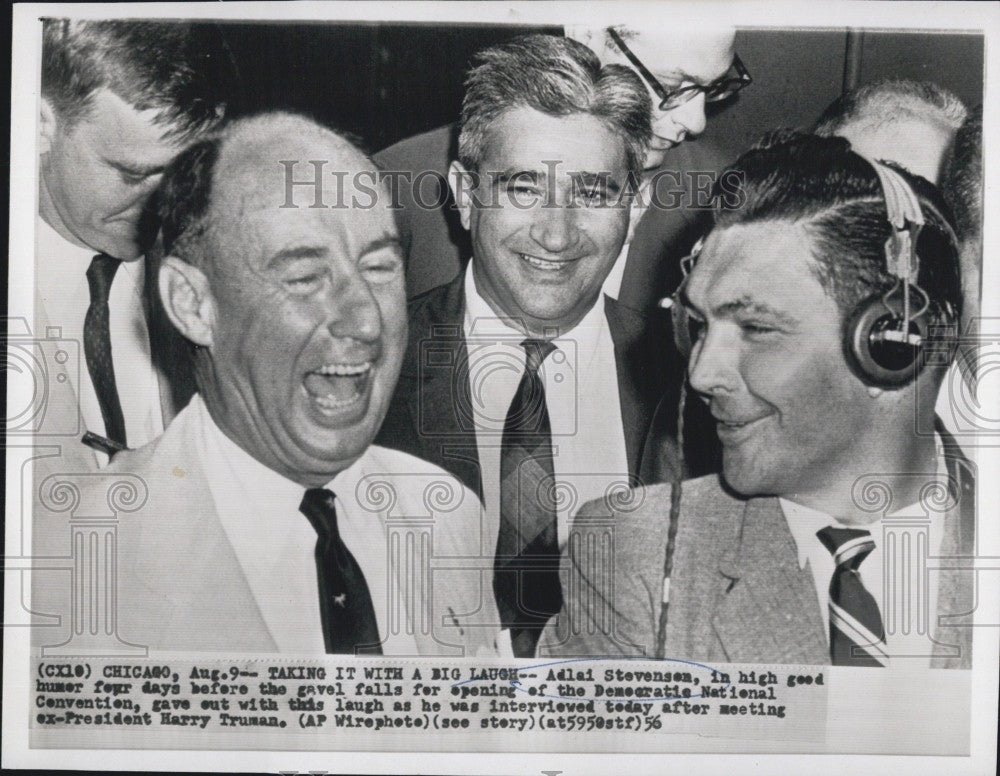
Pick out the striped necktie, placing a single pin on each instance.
(857, 637)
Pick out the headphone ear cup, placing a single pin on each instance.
(879, 360)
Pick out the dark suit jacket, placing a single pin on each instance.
(436, 246)
(430, 415)
(737, 593)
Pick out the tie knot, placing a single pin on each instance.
(846, 544)
(318, 505)
(537, 350)
(100, 274)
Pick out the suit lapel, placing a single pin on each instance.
(177, 551)
(436, 378)
(641, 372)
(770, 613)
(463, 612)
(956, 588)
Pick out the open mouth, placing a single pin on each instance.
(545, 265)
(335, 386)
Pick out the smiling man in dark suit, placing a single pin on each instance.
(519, 377)
(682, 71)
(823, 329)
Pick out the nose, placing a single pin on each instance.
(353, 310)
(555, 227)
(713, 367)
(690, 115)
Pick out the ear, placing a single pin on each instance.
(462, 184)
(188, 300)
(47, 125)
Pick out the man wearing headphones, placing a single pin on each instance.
(822, 311)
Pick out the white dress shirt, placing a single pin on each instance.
(910, 621)
(581, 395)
(61, 280)
(275, 543)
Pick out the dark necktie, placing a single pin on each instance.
(857, 637)
(97, 346)
(345, 605)
(526, 567)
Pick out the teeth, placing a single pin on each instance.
(330, 403)
(549, 266)
(345, 370)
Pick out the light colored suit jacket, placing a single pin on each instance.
(179, 585)
(737, 593)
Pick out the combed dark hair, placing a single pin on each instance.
(183, 71)
(882, 102)
(559, 77)
(963, 180)
(837, 196)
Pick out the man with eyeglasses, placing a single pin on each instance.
(682, 71)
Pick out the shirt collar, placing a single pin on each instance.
(804, 522)
(227, 462)
(253, 480)
(62, 265)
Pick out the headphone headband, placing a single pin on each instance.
(905, 217)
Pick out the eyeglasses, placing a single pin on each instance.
(720, 89)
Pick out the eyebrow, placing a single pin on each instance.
(135, 169)
(535, 176)
(388, 241)
(672, 75)
(528, 176)
(288, 255)
(745, 304)
(596, 179)
(681, 76)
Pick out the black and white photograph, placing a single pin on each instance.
(502, 388)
